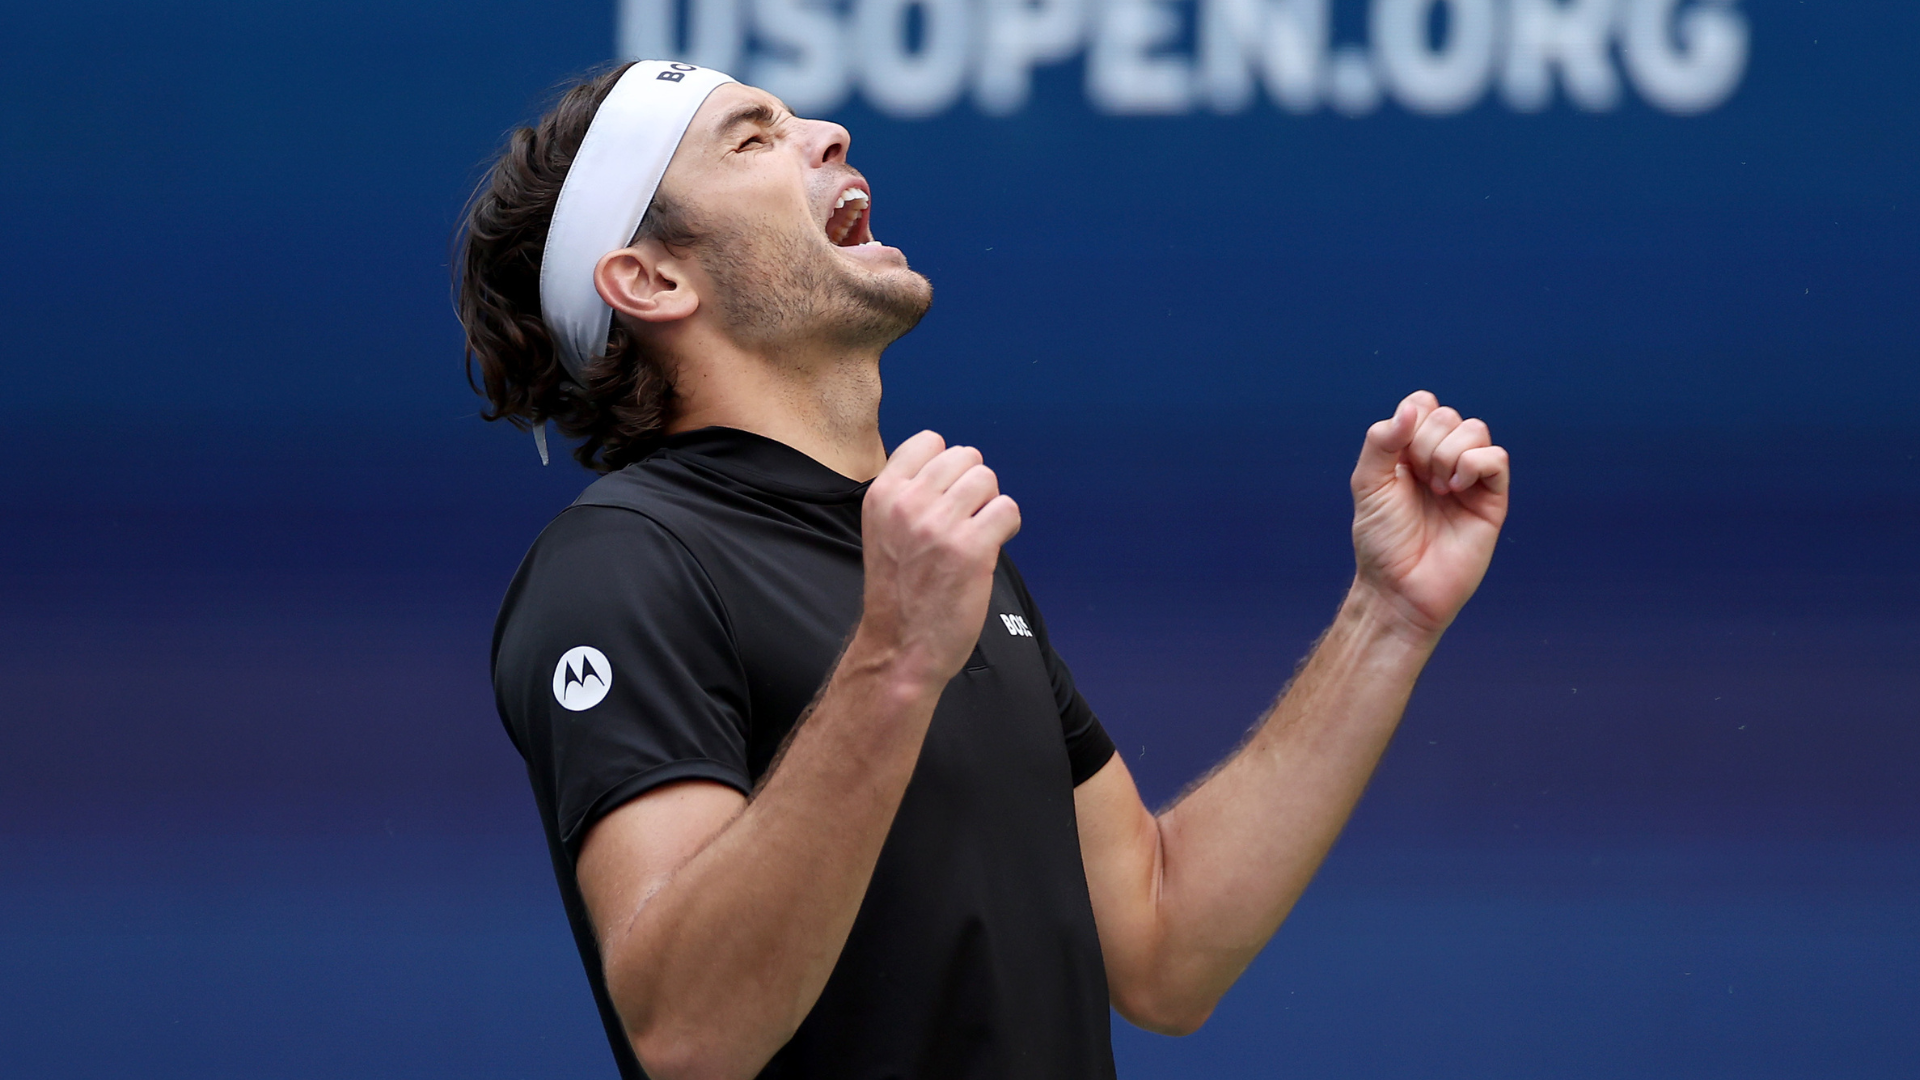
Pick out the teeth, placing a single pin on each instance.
(854, 200)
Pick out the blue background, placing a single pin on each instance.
(1652, 812)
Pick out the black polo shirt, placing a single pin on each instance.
(674, 623)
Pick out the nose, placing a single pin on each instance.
(827, 142)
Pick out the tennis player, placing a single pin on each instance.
(822, 798)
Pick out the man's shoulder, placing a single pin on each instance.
(616, 554)
(657, 485)
(647, 502)
(627, 524)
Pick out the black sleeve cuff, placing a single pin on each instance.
(1088, 746)
(635, 786)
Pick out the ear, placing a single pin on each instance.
(646, 282)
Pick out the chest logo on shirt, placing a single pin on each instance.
(1016, 625)
(582, 678)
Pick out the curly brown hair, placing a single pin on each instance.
(623, 408)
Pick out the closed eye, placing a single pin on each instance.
(757, 117)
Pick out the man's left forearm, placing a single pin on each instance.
(1239, 849)
(1185, 900)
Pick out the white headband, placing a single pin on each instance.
(607, 190)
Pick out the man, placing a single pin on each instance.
(810, 819)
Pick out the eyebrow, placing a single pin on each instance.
(757, 113)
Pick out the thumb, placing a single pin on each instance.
(911, 456)
(1385, 440)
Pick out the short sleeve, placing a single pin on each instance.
(615, 668)
(1088, 745)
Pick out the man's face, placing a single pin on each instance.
(785, 227)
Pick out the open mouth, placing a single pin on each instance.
(850, 224)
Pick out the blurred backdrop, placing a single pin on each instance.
(1653, 811)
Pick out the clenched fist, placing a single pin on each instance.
(1429, 497)
(932, 524)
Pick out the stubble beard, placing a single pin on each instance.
(783, 292)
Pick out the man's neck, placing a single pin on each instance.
(825, 406)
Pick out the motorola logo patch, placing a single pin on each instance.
(582, 678)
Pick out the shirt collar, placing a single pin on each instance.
(764, 463)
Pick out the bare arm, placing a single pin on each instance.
(720, 918)
(1185, 900)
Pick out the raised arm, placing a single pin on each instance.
(720, 918)
(1186, 899)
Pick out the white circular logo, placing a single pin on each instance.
(582, 678)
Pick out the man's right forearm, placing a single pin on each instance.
(716, 969)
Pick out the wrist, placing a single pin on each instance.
(890, 669)
(1380, 613)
